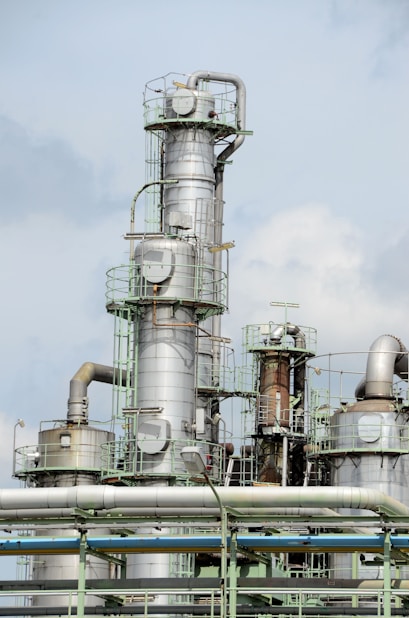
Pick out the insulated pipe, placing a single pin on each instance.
(159, 512)
(387, 356)
(192, 543)
(77, 402)
(102, 497)
(181, 609)
(194, 583)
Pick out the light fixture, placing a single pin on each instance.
(224, 247)
(193, 460)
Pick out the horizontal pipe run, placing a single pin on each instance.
(197, 610)
(344, 543)
(7, 515)
(264, 585)
(100, 497)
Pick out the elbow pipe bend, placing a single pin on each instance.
(192, 83)
(387, 357)
(87, 373)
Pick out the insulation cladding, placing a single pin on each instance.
(190, 159)
(190, 203)
(166, 335)
(178, 290)
(70, 449)
(177, 293)
(369, 447)
(68, 455)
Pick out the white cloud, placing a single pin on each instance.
(312, 257)
(53, 312)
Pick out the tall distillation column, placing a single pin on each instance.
(280, 352)
(176, 291)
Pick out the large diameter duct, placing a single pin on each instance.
(78, 399)
(171, 511)
(105, 497)
(387, 356)
(228, 78)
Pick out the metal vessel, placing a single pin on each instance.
(173, 510)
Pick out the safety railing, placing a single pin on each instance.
(157, 103)
(217, 377)
(369, 433)
(130, 459)
(261, 337)
(287, 420)
(199, 285)
(243, 600)
(35, 459)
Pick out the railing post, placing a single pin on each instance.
(232, 592)
(81, 575)
(387, 574)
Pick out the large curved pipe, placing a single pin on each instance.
(192, 83)
(102, 497)
(77, 402)
(387, 356)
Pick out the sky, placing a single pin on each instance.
(316, 199)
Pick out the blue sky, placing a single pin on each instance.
(316, 200)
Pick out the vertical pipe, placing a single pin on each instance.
(354, 573)
(285, 462)
(387, 605)
(233, 574)
(81, 574)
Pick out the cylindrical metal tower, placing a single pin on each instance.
(366, 444)
(176, 289)
(279, 352)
